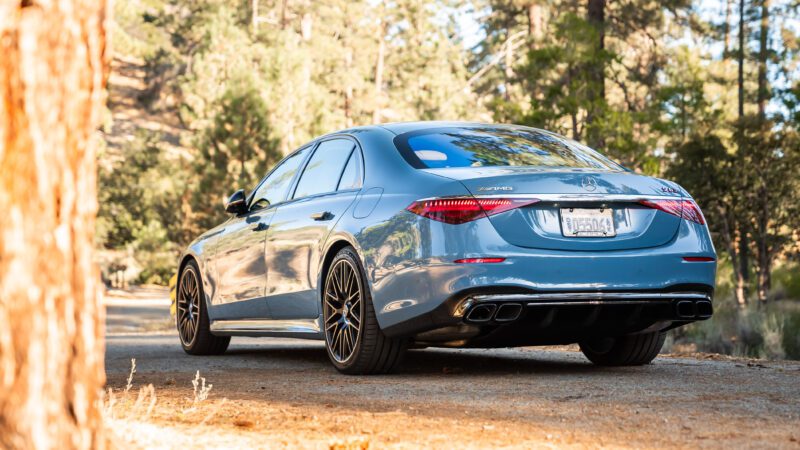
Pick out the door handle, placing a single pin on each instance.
(260, 227)
(322, 216)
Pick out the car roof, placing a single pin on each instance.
(397, 128)
(405, 127)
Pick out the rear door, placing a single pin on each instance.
(328, 185)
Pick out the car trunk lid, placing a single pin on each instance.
(574, 194)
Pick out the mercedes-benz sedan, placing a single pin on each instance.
(380, 238)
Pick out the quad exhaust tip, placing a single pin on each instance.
(508, 312)
(481, 313)
(488, 312)
(688, 309)
(704, 309)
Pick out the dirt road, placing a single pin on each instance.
(283, 393)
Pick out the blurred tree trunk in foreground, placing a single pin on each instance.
(52, 74)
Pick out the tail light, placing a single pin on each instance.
(455, 210)
(685, 209)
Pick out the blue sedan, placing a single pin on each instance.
(380, 238)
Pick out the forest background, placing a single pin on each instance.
(206, 95)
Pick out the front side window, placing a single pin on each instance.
(274, 188)
(496, 146)
(325, 167)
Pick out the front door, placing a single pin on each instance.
(241, 263)
(241, 267)
(327, 187)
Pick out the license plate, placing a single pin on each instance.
(584, 222)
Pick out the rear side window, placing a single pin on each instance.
(496, 146)
(274, 188)
(351, 177)
(325, 168)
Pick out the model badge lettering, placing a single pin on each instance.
(495, 188)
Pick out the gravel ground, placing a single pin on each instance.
(283, 393)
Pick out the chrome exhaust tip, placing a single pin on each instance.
(685, 309)
(704, 309)
(481, 313)
(508, 312)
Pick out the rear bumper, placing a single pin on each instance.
(412, 273)
(485, 318)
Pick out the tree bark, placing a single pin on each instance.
(763, 53)
(742, 271)
(596, 89)
(379, 64)
(763, 258)
(52, 79)
(535, 23)
(741, 59)
(726, 28)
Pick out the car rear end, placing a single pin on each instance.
(553, 253)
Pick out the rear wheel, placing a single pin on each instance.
(192, 317)
(631, 350)
(353, 339)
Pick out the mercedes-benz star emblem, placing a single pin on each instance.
(589, 183)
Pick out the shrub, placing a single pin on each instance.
(791, 334)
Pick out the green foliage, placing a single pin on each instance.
(140, 206)
(791, 335)
(639, 81)
(756, 332)
(235, 151)
(787, 281)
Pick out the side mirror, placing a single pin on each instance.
(237, 203)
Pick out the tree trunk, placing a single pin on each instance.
(728, 235)
(742, 271)
(52, 77)
(379, 63)
(535, 24)
(726, 29)
(348, 90)
(741, 59)
(763, 52)
(596, 89)
(764, 259)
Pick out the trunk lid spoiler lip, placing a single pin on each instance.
(633, 198)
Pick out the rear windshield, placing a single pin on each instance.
(496, 146)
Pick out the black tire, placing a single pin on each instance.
(191, 317)
(631, 350)
(373, 352)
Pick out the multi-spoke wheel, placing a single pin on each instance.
(188, 306)
(192, 318)
(353, 338)
(342, 310)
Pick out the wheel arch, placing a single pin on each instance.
(333, 247)
(183, 262)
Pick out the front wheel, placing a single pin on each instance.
(353, 339)
(631, 350)
(192, 317)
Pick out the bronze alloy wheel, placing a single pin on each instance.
(343, 310)
(188, 306)
(192, 318)
(353, 339)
